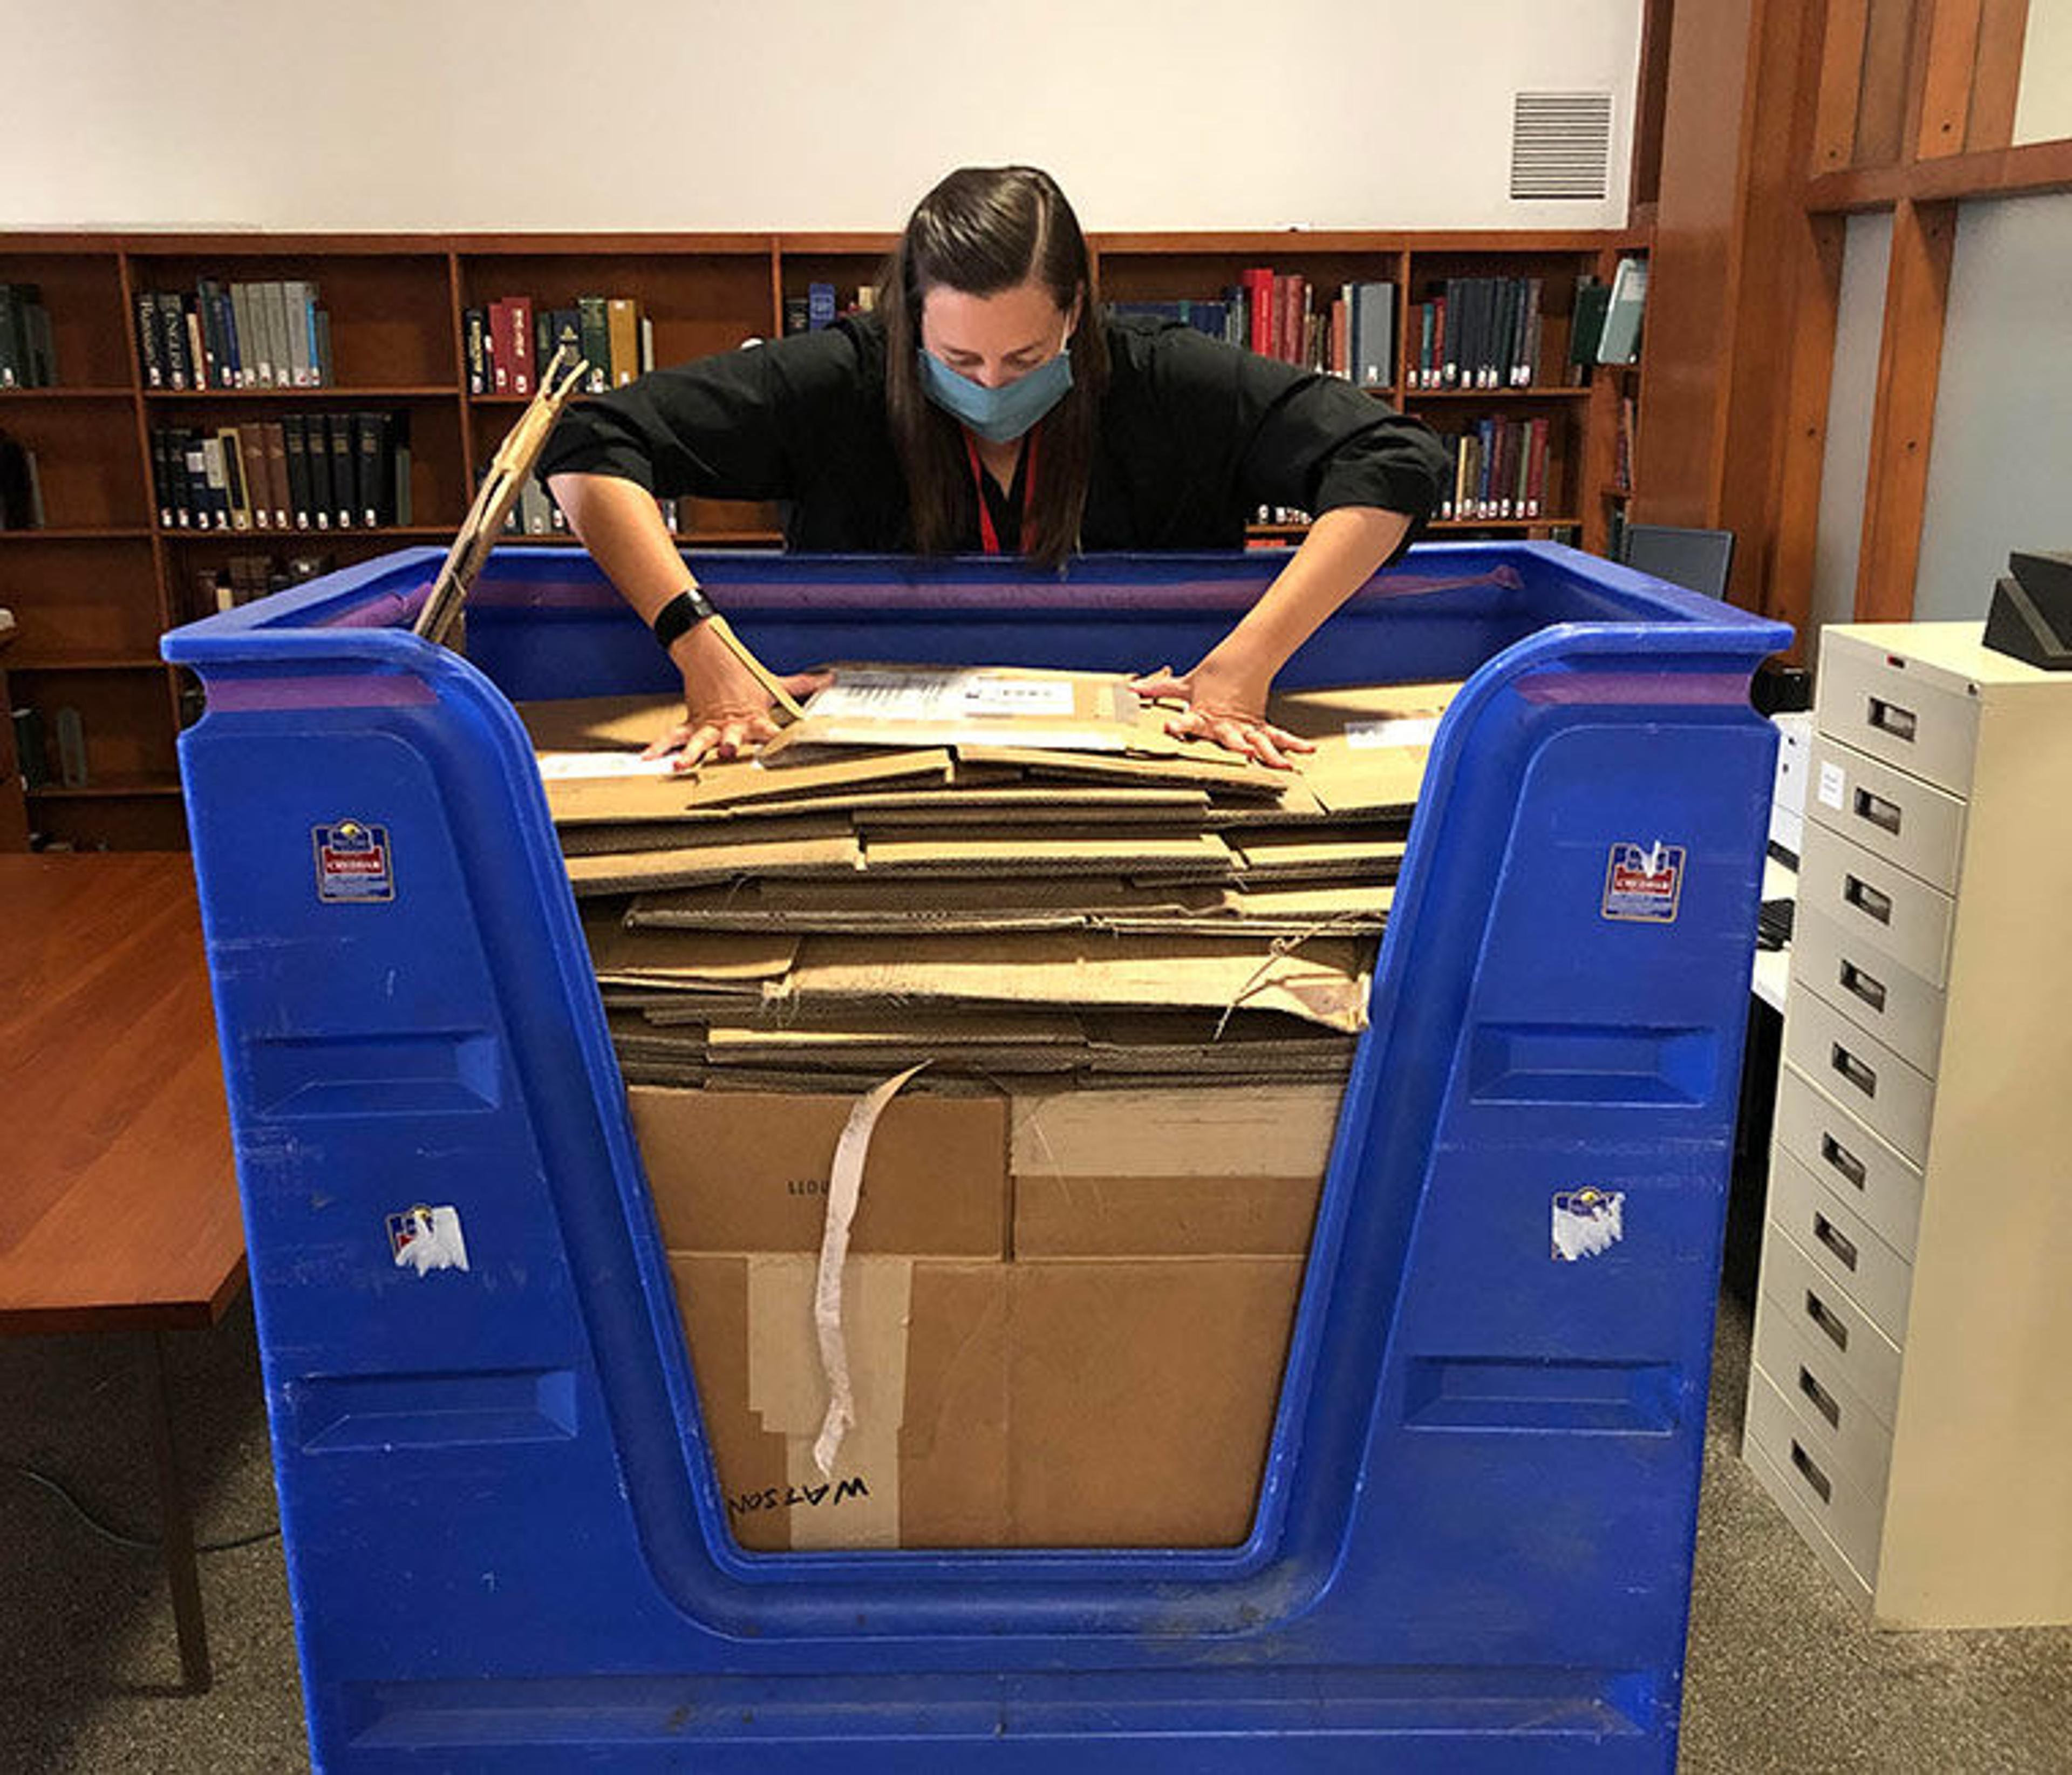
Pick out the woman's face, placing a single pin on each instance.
(993, 340)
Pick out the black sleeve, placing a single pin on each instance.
(1309, 440)
(727, 426)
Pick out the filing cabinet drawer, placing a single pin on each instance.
(1854, 1163)
(1869, 988)
(1873, 701)
(1841, 1245)
(1845, 1429)
(1857, 1070)
(1889, 813)
(1851, 1516)
(1866, 1360)
(1868, 897)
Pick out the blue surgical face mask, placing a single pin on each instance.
(1002, 414)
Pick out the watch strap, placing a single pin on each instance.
(678, 617)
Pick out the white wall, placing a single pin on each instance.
(2043, 100)
(494, 114)
(2000, 464)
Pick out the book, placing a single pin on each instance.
(1621, 340)
(623, 327)
(474, 329)
(235, 483)
(595, 323)
(519, 312)
(344, 469)
(1587, 333)
(370, 441)
(275, 451)
(819, 305)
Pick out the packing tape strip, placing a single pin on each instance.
(845, 1187)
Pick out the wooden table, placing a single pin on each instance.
(119, 1211)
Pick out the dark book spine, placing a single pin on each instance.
(367, 430)
(172, 313)
(14, 364)
(344, 469)
(474, 330)
(150, 340)
(594, 321)
(194, 481)
(294, 438)
(327, 377)
(162, 480)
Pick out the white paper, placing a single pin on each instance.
(940, 696)
(563, 767)
(1831, 781)
(1403, 730)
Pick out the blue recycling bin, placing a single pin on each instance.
(505, 1541)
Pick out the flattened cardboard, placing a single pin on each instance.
(1141, 1396)
(692, 865)
(1048, 851)
(738, 1172)
(1349, 772)
(1324, 855)
(768, 777)
(863, 907)
(703, 957)
(599, 723)
(1325, 980)
(1204, 767)
(1024, 807)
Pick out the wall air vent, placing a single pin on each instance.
(1561, 145)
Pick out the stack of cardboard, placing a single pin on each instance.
(1054, 888)
(1065, 1310)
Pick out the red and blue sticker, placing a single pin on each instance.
(1644, 882)
(353, 862)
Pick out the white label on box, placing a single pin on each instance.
(1403, 730)
(563, 767)
(941, 696)
(1832, 779)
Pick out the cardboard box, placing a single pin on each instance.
(750, 1173)
(1115, 1387)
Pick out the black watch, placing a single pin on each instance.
(682, 614)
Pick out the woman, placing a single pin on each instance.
(988, 402)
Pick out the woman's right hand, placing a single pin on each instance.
(727, 714)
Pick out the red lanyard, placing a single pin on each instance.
(988, 534)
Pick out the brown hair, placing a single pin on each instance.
(982, 230)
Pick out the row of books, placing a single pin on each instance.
(241, 578)
(820, 306)
(28, 354)
(510, 342)
(274, 334)
(536, 513)
(1500, 471)
(1285, 316)
(42, 763)
(1482, 333)
(302, 472)
(21, 487)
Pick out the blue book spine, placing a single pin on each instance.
(819, 305)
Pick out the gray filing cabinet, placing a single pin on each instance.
(1911, 1399)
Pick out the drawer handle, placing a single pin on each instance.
(1817, 1311)
(1863, 1078)
(1866, 986)
(1867, 899)
(1843, 1160)
(1890, 718)
(1823, 1488)
(1881, 812)
(1836, 1241)
(1824, 1402)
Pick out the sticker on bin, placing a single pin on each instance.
(1587, 1222)
(424, 1239)
(1403, 730)
(1643, 883)
(353, 862)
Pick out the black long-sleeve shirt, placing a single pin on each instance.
(1194, 436)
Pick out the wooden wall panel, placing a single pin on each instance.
(1910, 365)
(1840, 85)
(1882, 107)
(1946, 88)
(1996, 77)
(1802, 454)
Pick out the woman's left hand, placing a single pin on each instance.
(1225, 706)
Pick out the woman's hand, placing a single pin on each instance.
(1225, 704)
(726, 712)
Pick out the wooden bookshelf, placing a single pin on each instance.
(93, 592)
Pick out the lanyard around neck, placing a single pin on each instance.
(988, 535)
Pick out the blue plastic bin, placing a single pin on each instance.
(505, 1542)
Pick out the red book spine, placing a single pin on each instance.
(1258, 285)
(520, 310)
(498, 345)
(1438, 338)
(1535, 479)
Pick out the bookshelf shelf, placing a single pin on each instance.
(93, 591)
(112, 533)
(8, 396)
(116, 790)
(329, 392)
(1561, 393)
